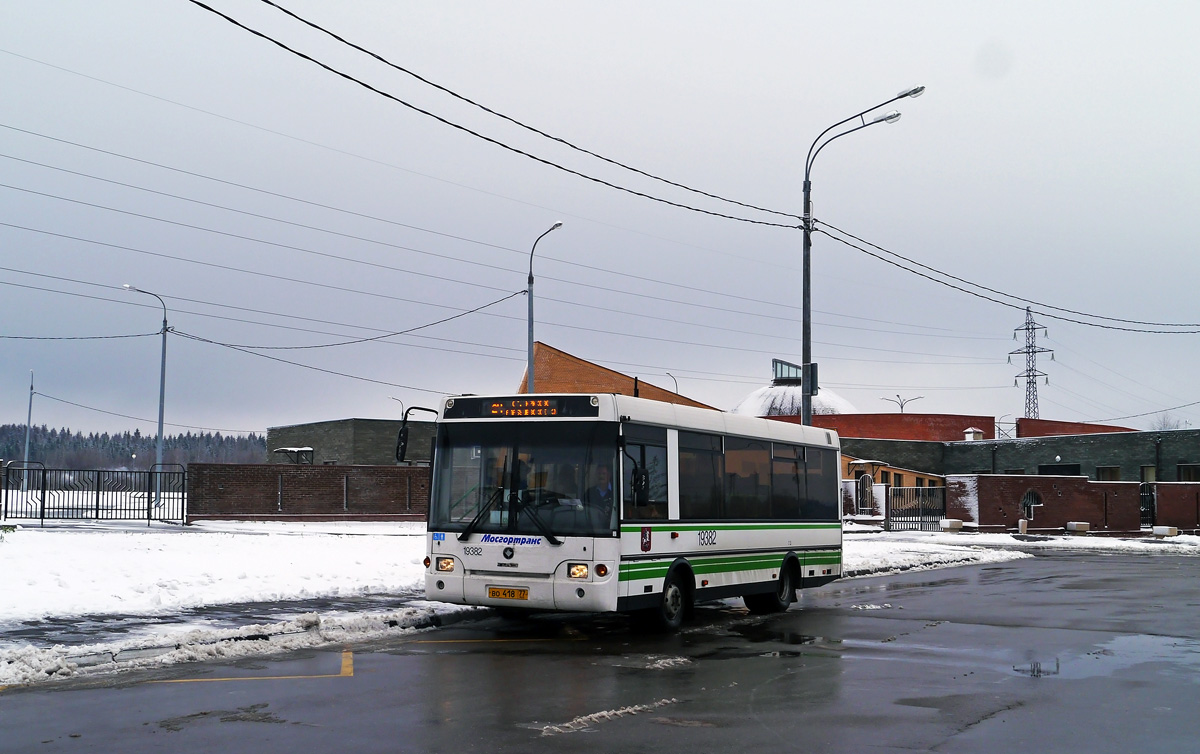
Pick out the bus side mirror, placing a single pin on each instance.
(402, 438)
(641, 487)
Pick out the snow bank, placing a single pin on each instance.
(1180, 545)
(29, 664)
(864, 556)
(61, 572)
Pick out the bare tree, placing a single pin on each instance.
(1166, 421)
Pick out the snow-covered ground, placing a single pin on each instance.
(83, 571)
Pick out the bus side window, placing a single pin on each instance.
(822, 478)
(747, 478)
(701, 476)
(645, 449)
(788, 483)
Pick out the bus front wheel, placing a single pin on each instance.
(674, 605)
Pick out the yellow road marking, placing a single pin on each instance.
(346, 672)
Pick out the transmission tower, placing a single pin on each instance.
(1031, 373)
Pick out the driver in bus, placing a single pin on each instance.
(602, 493)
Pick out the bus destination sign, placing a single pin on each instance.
(522, 407)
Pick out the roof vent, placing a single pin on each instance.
(972, 433)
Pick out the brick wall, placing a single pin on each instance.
(265, 491)
(1178, 504)
(930, 427)
(917, 455)
(1126, 452)
(994, 502)
(351, 442)
(1048, 428)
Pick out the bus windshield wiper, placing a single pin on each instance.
(540, 524)
(466, 533)
(497, 494)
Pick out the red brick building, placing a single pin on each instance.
(556, 371)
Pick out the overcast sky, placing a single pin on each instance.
(272, 203)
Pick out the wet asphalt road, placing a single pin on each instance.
(1061, 653)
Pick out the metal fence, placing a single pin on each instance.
(916, 508)
(35, 492)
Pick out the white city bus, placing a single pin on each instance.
(606, 503)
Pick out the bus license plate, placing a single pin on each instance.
(507, 593)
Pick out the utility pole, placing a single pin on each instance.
(1031, 373)
(28, 422)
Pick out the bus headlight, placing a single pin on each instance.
(445, 565)
(577, 570)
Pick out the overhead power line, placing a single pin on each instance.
(477, 134)
(240, 237)
(1014, 296)
(189, 336)
(357, 291)
(140, 419)
(519, 123)
(77, 337)
(354, 155)
(993, 299)
(936, 331)
(373, 338)
(1151, 413)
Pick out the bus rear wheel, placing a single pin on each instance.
(776, 601)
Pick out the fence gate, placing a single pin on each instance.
(35, 492)
(916, 508)
(864, 496)
(1148, 501)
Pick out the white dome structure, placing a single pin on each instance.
(783, 397)
(785, 400)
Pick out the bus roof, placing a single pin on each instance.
(615, 407)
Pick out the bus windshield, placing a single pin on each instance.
(531, 478)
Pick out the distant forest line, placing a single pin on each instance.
(64, 449)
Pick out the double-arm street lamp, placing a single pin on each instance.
(162, 382)
(808, 375)
(902, 402)
(529, 294)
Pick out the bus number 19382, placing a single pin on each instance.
(706, 537)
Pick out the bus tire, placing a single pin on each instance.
(675, 603)
(775, 601)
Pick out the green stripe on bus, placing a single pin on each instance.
(723, 564)
(635, 529)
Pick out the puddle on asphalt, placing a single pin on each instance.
(755, 639)
(1120, 653)
(760, 633)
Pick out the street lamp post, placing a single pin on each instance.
(529, 294)
(808, 386)
(162, 388)
(902, 402)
